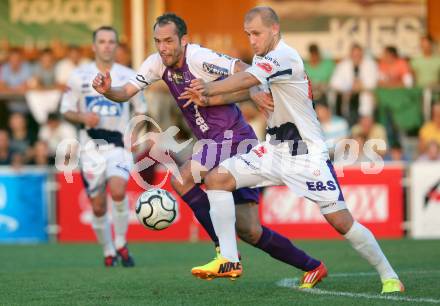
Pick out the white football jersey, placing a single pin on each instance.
(203, 63)
(282, 71)
(80, 96)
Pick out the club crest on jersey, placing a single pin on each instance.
(103, 107)
(266, 67)
(214, 69)
(177, 78)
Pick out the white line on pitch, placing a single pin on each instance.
(293, 283)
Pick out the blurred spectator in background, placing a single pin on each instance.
(354, 79)
(20, 141)
(396, 154)
(55, 131)
(46, 91)
(44, 71)
(14, 77)
(123, 55)
(41, 155)
(319, 70)
(394, 72)
(432, 152)
(335, 128)
(368, 129)
(255, 119)
(5, 152)
(65, 66)
(427, 66)
(15, 73)
(430, 131)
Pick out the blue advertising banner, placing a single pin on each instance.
(23, 207)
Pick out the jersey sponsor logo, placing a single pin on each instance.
(214, 69)
(248, 163)
(266, 67)
(140, 78)
(272, 60)
(200, 121)
(321, 186)
(103, 106)
(260, 151)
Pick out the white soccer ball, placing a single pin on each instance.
(156, 209)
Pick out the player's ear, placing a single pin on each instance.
(275, 29)
(184, 40)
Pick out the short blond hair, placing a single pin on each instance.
(267, 14)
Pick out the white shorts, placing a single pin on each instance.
(309, 175)
(98, 165)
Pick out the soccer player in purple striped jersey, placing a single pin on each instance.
(178, 62)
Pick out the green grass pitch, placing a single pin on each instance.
(73, 274)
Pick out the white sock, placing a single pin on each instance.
(120, 222)
(223, 219)
(363, 241)
(102, 229)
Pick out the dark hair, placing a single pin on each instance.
(46, 51)
(322, 102)
(168, 18)
(392, 50)
(74, 47)
(16, 50)
(267, 14)
(429, 38)
(356, 46)
(314, 49)
(105, 28)
(53, 117)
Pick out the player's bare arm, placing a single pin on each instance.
(103, 84)
(236, 82)
(88, 119)
(195, 97)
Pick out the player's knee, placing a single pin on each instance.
(249, 233)
(341, 223)
(99, 210)
(118, 194)
(219, 181)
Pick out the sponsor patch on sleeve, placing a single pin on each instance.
(140, 78)
(265, 66)
(214, 69)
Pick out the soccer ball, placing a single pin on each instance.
(156, 209)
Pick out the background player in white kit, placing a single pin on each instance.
(293, 154)
(103, 159)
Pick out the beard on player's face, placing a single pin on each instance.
(172, 56)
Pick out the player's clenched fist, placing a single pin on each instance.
(102, 82)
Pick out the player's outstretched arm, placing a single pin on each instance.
(239, 81)
(102, 83)
(193, 96)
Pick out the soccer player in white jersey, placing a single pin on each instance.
(104, 162)
(293, 154)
